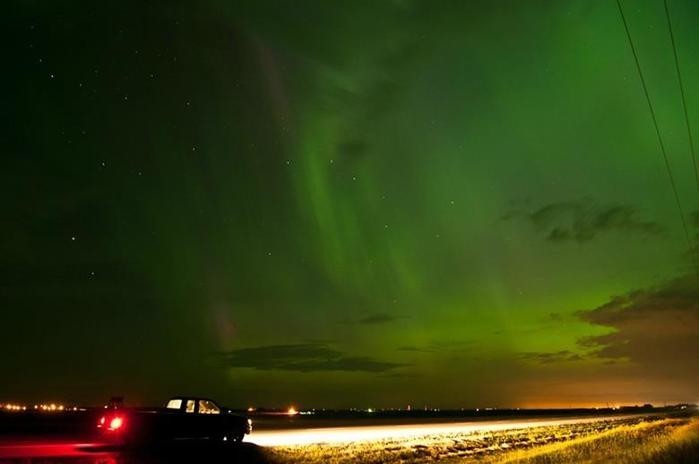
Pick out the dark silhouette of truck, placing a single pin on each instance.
(182, 418)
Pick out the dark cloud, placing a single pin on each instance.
(415, 349)
(583, 220)
(352, 149)
(695, 218)
(554, 317)
(378, 318)
(372, 319)
(554, 357)
(443, 346)
(400, 375)
(656, 329)
(308, 357)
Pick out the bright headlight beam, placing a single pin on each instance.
(338, 435)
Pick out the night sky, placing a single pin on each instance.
(360, 203)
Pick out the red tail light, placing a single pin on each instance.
(116, 423)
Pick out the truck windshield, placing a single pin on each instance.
(208, 407)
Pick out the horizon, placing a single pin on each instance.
(286, 409)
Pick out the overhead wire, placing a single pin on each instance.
(657, 129)
(682, 93)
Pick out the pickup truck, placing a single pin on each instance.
(182, 418)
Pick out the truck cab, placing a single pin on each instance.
(182, 418)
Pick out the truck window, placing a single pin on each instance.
(208, 407)
(174, 404)
(190, 406)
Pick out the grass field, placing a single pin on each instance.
(637, 440)
(667, 441)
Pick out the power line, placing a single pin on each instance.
(684, 99)
(657, 130)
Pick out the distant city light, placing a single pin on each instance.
(51, 407)
(292, 411)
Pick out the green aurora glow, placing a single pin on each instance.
(347, 203)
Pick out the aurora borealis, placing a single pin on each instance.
(348, 204)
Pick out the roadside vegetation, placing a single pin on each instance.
(651, 440)
(671, 441)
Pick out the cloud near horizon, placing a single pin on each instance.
(378, 318)
(372, 319)
(308, 357)
(554, 357)
(656, 330)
